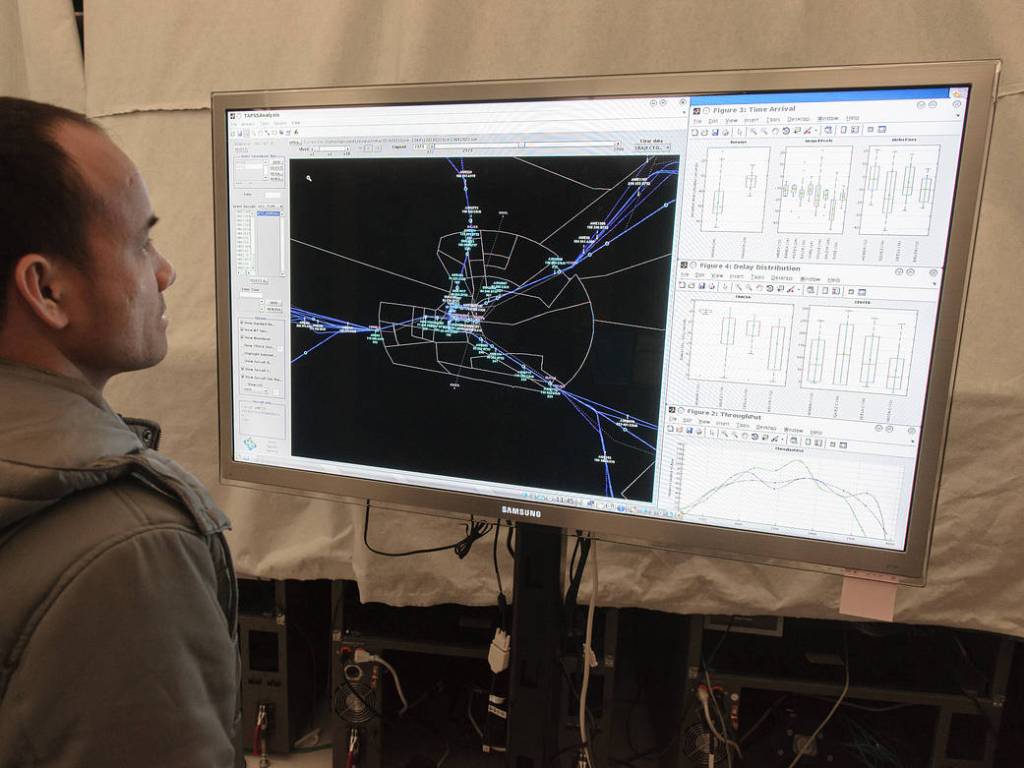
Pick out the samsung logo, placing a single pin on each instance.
(519, 511)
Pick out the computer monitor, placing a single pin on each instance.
(716, 312)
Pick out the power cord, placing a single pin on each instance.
(589, 659)
(846, 689)
(475, 530)
(362, 656)
(502, 599)
(706, 695)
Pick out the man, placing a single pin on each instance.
(117, 593)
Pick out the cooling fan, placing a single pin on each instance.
(355, 702)
(699, 742)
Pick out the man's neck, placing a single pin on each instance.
(29, 350)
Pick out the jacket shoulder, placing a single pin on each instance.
(50, 548)
(127, 656)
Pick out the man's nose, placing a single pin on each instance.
(165, 274)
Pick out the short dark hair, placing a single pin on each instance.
(45, 205)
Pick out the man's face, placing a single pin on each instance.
(117, 313)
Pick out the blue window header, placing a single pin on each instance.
(870, 94)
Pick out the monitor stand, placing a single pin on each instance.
(535, 682)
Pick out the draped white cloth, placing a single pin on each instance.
(149, 72)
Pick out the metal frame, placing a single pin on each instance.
(908, 566)
(372, 732)
(266, 687)
(989, 705)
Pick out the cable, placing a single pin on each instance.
(469, 710)
(703, 694)
(846, 688)
(866, 708)
(508, 541)
(502, 600)
(708, 693)
(718, 646)
(588, 653)
(764, 716)
(494, 553)
(353, 747)
(582, 549)
(572, 562)
(474, 530)
(363, 656)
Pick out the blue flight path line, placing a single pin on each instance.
(575, 401)
(620, 210)
(465, 248)
(333, 327)
(614, 411)
(616, 209)
(595, 425)
(622, 207)
(625, 203)
(318, 344)
(595, 408)
(608, 489)
(599, 242)
(298, 315)
(608, 412)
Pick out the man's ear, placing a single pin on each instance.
(41, 282)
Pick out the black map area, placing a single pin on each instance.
(385, 244)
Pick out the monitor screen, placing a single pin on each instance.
(699, 319)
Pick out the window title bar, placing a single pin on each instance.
(869, 94)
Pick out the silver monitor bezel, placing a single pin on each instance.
(907, 566)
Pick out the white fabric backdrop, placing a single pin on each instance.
(40, 57)
(149, 71)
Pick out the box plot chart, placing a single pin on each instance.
(740, 342)
(899, 190)
(859, 350)
(832, 498)
(815, 189)
(735, 189)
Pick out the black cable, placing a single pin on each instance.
(474, 530)
(718, 645)
(508, 541)
(576, 577)
(572, 559)
(494, 554)
(760, 721)
(502, 600)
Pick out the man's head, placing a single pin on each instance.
(80, 280)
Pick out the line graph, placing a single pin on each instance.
(815, 192)
(735, 189)
(739, 342)
(813, 495)
(899, 190)
(859, 350)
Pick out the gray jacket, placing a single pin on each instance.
(118, 600)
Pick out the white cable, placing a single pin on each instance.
(711, 722)
(704, 694)
(469, 713)
(846, 688)
(362, 656)
(588, 654)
